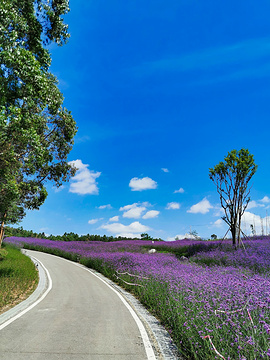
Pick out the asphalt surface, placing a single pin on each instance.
(81, 317)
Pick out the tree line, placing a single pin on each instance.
(68, 236)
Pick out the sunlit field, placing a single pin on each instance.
(215, 304)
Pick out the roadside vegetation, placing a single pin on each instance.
(18, 277)
(215, 302)
(70, 236)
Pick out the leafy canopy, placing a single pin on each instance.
(231, 177)
(36, 131)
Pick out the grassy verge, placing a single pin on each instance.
(18, 277)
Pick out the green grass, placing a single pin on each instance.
(18, 277)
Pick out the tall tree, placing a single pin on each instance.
(231, 178)
(36, 131)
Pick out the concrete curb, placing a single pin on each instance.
(43, 285)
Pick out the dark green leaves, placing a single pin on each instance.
(36, 131)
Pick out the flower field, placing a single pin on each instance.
(216, 305)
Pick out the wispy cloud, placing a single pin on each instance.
(165, 170)
(94, 221)
(173, 206)
(254, 204)
(265, 200)
(58, 189)
(219, 223)
(179, 191)
(102, 207)
(82, 139)
(114, 218)
(240, 60)
(84, 182)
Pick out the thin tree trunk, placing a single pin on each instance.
(239, 232)
(2, 230)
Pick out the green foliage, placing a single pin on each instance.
(184, 250)
(231, 178)
(36, 131)
(3, 254)
(71, 236)
(145, 236)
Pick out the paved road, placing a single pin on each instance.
(80, 318)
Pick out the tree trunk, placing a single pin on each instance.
(233, 231)
(239, 232)
(2, 230)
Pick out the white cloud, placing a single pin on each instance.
(131, 206)
(180, 191)
(218, 223)
(201, 207)
(114, 218)
(259, 223)
(132, 230)
(151, 214)
(94, 221)
(145, 183)
(108, 206)
(165, 170)
(82, 139)
(134, 211)
(84, 182)
(219, 211)
(58, 189)
(173, 206)
(181, 237)
(265, 200)
(253, 204)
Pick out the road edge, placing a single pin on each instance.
(161, 341)
(43, 288)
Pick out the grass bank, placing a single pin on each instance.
(18, 277)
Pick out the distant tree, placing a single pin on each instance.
(253, 231)
(194, 234)
(213, 237)
(231, 178)
(145, 236)
(36, 132)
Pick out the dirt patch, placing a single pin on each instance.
(18, 298)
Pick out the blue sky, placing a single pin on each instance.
(161, 91)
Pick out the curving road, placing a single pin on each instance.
(80, 318)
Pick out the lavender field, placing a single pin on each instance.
(215, 305)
